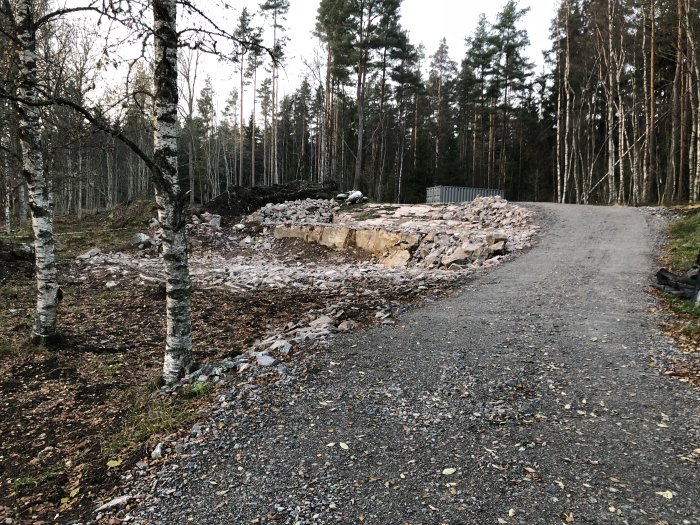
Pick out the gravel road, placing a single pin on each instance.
(527, 398)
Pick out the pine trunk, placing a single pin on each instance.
(611, 107)
(8, 195)
(357, 181)
(241, 129)
(672, 165)
(649, 175)
(694, 154)
(252, 131)
(273, 156)
(79, 178)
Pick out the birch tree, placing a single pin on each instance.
(26, 21)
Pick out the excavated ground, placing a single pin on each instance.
(74, 418)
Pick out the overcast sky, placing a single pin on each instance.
(427, 21)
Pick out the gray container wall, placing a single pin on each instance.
(445, 194)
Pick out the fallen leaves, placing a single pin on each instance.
(665, 494)
(533, 474)
(567, 517)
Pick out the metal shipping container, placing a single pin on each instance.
(444, 194)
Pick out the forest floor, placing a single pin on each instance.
(79, 420)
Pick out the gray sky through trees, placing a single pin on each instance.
(427, 21)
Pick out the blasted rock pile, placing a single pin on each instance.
(454, 236)
(307, 211)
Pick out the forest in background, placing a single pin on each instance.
(613, 118)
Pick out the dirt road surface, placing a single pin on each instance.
(527, 398)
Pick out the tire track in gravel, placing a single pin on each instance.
(533, 384)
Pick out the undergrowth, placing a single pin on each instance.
(684, 315)
(150, 415)
(684, 242)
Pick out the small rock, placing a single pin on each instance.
(498, 248)
(93, 252)
(215, 221)
(140, 239)
(157, 452)
(111, 284)
(323, 322)
(116, 502)
(281, 346)
(493, 238)
(240, 226)
(264, 359)
(153, 223)
(458, 257)
(347, 326)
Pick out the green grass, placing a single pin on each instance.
(11, 291)
(29, 483)
(107, 230)
(108, 371)
(684, 242)
(198, 389)
(7, 349)
(685, 307)
(683, 248)
(151, 415)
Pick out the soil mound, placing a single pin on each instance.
(240, 200)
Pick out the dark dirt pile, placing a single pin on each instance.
(240, 200)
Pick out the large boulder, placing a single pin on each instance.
(459, 257)
(397, 258)
(337, 237)
(494, 237)
(141, 240)
(354, 197)
(291, 231)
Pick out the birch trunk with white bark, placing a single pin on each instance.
(33, 171)
(694, 155)
(169, 196)
(610, 97)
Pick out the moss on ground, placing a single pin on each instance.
(684, 241)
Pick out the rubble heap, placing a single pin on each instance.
(400, 255)
(307, 211)
(453, 237)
